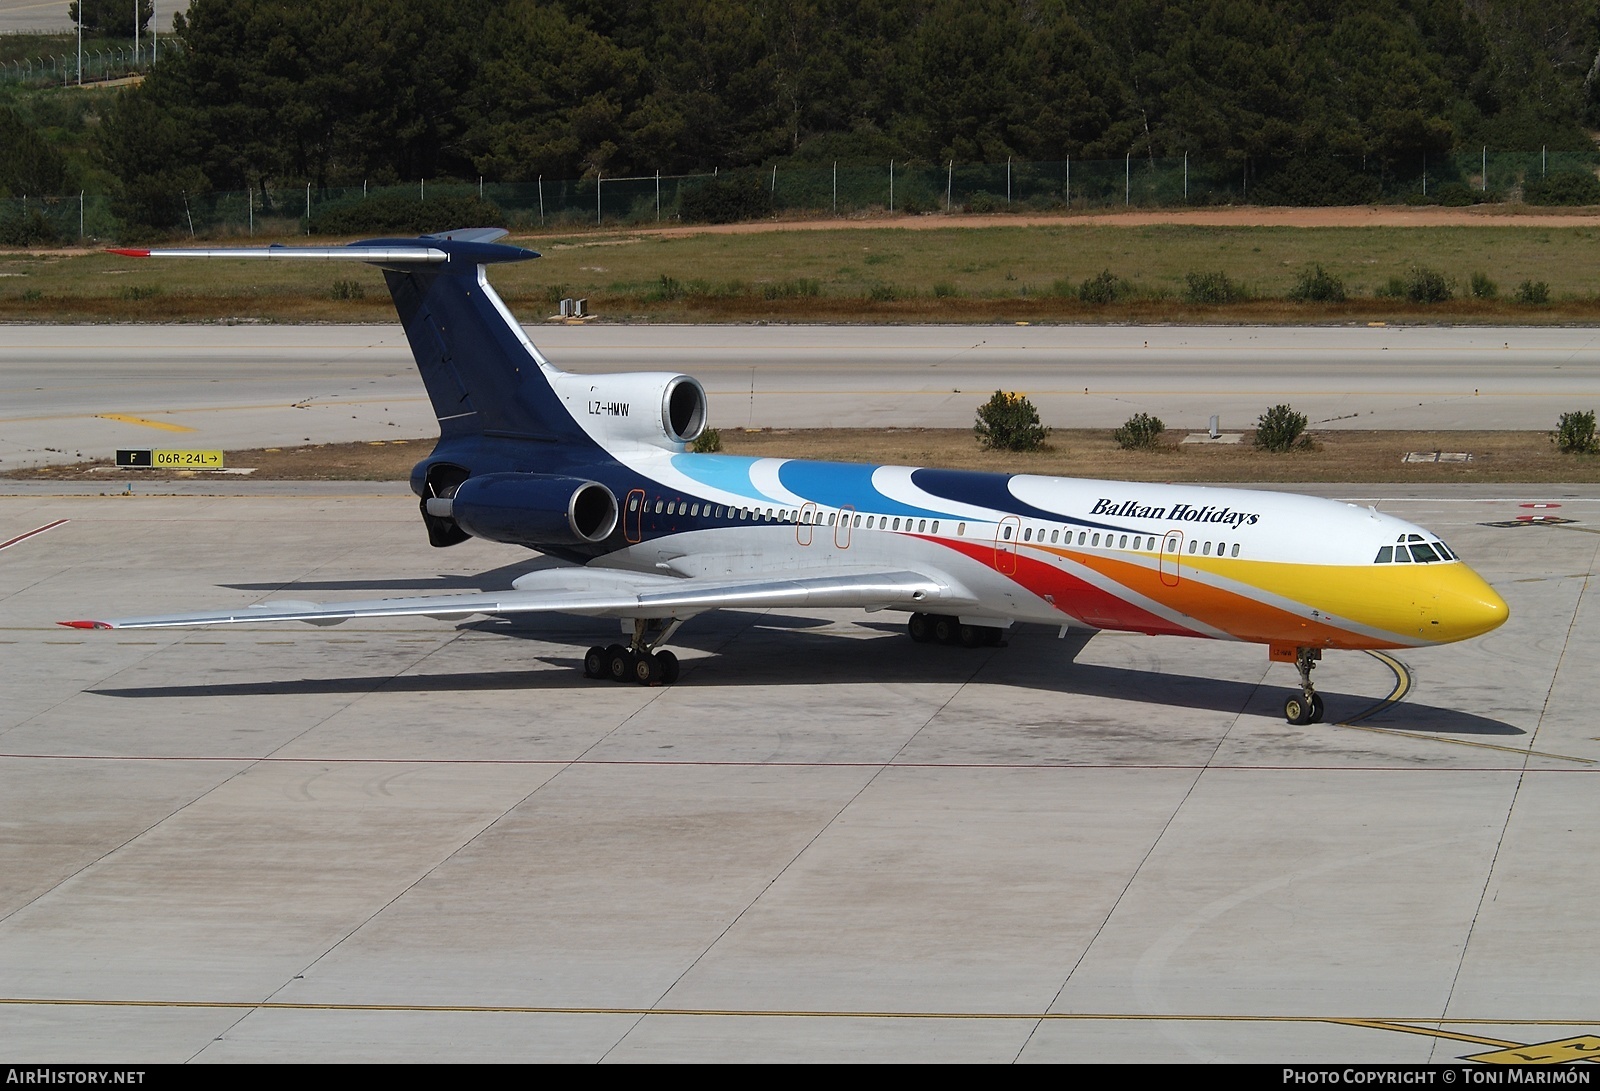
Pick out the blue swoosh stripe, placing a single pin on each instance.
(842, 484)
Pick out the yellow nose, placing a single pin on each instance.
(1466, 605)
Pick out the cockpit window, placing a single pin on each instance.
(1443, 551)
(1423, 553)
(1385, 555)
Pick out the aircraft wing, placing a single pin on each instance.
(600, 593)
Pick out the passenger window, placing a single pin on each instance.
(857, 521)
(1122, 543)
(1081, 537)
(1055, 536)
(1235, 549)
(1006, 534)
(1193, 545)
(922, 525)
(1385, 555)
(633, 503)
(1207, 550)
(936, 526)
(1096, 540)
(1027, 534)
(833, 517)
(896, 525)
(869, 522)
(658, 507)
(961, 529)
(695, 510)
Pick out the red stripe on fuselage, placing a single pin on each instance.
(1071, 595)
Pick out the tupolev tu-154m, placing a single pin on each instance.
(596, 471)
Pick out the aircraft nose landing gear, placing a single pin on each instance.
(1304, 707)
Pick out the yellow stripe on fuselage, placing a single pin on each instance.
(1333, 606)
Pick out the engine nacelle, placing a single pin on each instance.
(530, 509)
(653, 408)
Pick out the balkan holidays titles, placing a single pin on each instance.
(1178, 513)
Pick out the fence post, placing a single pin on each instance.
(1008, 179)
(597, 177)
(1127, 180)
(891, 185)
(250, 208)
(949, 184)
(658, 194)
(80, 214)
(835, 187)
(541, 200)
(308, 208)
(1485, 186)
(1185, 177)
(1067, 180)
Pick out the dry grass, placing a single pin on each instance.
(1000, 272)
(1337, 456)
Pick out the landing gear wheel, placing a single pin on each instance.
(970, 636)
(1316, 708)
(1297, 710)
(619, 663)
(944, 629)
(994, 636)
(646, 670)
(920, 626)
(667, 664)
(594, 663)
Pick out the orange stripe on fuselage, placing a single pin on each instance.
(1236, 614)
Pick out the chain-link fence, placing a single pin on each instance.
(1464, 177)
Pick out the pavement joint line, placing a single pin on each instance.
(812, 840)
(689, 763)
(1133, 876)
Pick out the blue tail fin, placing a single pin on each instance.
(482, 374)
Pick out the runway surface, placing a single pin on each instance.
(72, 391)
(423, 841)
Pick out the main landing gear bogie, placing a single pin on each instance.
(622, 664)
(943, 629)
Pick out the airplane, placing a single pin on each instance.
(597, 472)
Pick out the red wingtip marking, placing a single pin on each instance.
(129, 253)
(84, 624)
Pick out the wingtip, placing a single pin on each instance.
(128, 253)
(84, 624)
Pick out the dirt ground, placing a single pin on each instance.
(1335, 456)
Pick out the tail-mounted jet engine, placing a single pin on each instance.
(649, 408)
(526, 509)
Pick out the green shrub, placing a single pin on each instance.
(138, 292)
(726, 199)
(1576, 433)
(985, 202)
(800, 288)
(1569, 187)
(1532, 292)
(1211, 288)
(1317, 285)
(1280, 429)
(1424, 285)
(1142, 431)
(882, 293)
(1105, 287)
(394, 213)
(708, 442)
(1009, 422)
(348, 289)
(1483, 287)
(944, 290)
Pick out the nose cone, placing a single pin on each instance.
(1467, 606)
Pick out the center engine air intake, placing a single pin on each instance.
(649, 408)
(531, 509)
